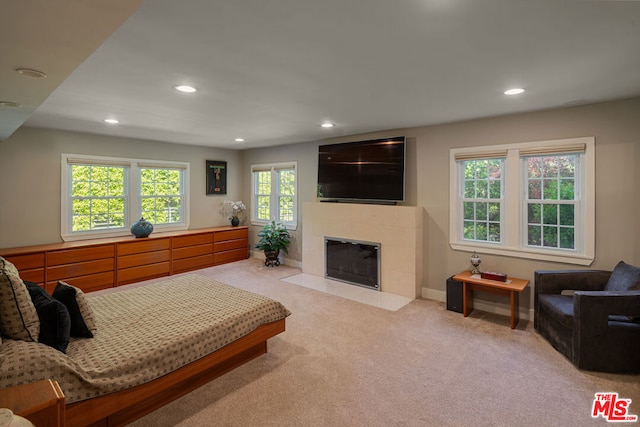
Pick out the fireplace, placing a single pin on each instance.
(353, 262)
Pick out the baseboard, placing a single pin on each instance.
(488, 306)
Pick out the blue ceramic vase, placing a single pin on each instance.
(141, 228)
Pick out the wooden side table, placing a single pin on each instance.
(511, 288)
(41, 402)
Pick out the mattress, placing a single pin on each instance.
(142, 334)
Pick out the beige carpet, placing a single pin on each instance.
(342, 363)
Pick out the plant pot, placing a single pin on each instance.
(271, 258)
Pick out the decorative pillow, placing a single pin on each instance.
(625, 277)
(83, 323)
(55, 323)
(18, 316)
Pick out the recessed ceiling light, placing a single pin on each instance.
(514, 91)
(327, 125)
(9, 104)
(112, 121)
(185, 88)
(239, 140)
(30, 72)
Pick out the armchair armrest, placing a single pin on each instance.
(591, 309)
(602, 345)
(556, 281)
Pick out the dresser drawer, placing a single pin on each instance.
(230, 256)
(138, 246)
(241, 233)
(192, 240)
(75, 255)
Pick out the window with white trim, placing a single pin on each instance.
(531, 200)
(104, 196)
(275, 194)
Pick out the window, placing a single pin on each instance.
(274, 194)
(103, 196)
(531, 200)
(551, 200)
(161, 195)
(482, 199)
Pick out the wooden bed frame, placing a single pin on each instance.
(123, 407)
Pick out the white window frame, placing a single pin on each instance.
(273, 168)
(132, 194)
(513, 228)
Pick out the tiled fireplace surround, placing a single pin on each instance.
(397, 228)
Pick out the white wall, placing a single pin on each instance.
(30, 175)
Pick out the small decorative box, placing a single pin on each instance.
(490, 275)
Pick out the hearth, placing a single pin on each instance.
(353, 262)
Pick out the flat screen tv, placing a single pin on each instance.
(363, 171)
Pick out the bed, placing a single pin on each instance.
(150, 345)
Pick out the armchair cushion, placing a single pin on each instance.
(624, 277)
(559, 307)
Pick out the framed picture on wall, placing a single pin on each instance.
(216, 177)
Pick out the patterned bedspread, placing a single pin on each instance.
(142, 334)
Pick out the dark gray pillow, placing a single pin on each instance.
(55, 323)
(625, 277)
(82, 319)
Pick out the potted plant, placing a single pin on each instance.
(233, 210)
(274, 237)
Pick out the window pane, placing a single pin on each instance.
(481, 211)
(494, 232)
(97, 197)
(567, 189)
(535, 213)
(566, 215)
(550, 236)
(558, 184)
(534, 237)
(550, 214)
(550, 189)
(469, 211)
(286, 209)
(470, 189)
(263, 205)
(161, 195)
(469, 230)
(567, 238)
(482, 199)
(534, 167)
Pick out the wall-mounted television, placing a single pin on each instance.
(362, 171)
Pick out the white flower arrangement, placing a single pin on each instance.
(232, 210)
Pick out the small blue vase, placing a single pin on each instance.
(141, 228)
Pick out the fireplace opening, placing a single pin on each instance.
(354, 262)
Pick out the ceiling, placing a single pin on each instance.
(272, 71)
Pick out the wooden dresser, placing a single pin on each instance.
(98, 264)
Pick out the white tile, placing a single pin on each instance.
(378, 299)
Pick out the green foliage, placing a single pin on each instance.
(98, 196)
(274, 236)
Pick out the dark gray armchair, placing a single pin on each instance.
(591, 316)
